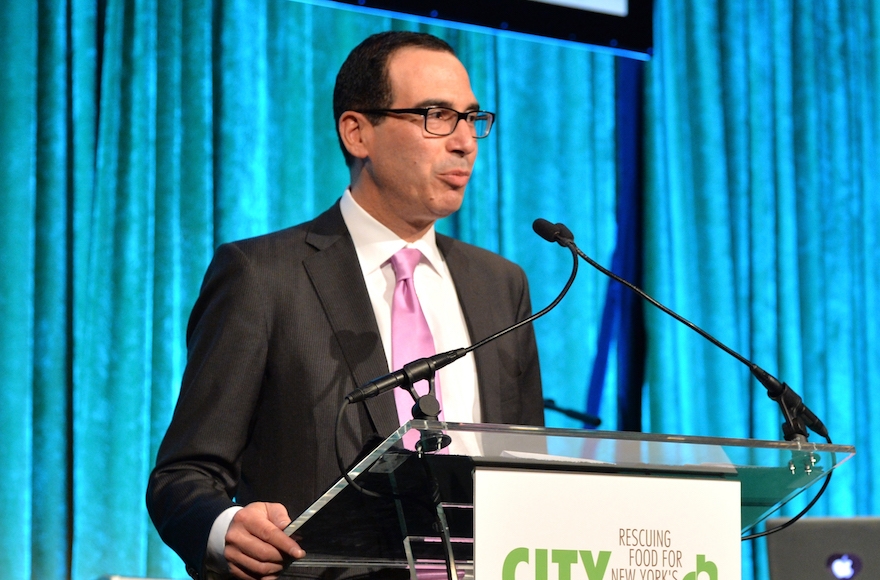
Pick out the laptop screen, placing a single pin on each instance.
(823, 548)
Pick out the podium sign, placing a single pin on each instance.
(557, 525)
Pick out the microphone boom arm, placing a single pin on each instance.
(797, 415)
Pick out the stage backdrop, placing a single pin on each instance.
(762, 222)
(136, 136)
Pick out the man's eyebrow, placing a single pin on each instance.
(475, 106)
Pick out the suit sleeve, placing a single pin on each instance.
(198, 463)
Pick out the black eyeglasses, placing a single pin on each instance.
(442, 121)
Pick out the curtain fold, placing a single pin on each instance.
(51, 251)
(113, 300)
(17, 294)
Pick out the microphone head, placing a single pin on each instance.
(545, 229)
(553, 232)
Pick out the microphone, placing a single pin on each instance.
(425, 368)
(797, 415)
(553, 232)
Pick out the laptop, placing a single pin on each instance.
(821, 548)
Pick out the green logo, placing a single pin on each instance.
(564, 560)
(704, 566)
(595, 567)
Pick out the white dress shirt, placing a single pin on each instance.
(375, 244)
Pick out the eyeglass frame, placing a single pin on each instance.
(423, 111)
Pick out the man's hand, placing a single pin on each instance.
(256, 546)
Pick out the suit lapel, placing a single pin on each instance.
(335, 274)
(474, 298)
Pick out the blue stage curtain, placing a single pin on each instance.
(135, 137)
(762, 221)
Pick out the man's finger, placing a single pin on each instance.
(241, 565)
(258, 536)
(278, 514)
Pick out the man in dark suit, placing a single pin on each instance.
(288, 323)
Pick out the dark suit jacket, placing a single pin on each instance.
(282, 330)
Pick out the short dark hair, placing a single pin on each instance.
(362, 82)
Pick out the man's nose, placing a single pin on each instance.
(462, 138)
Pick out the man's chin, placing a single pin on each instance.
(450, 204)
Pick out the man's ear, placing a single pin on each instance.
(355, 131)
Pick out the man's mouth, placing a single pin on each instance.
(456, 177)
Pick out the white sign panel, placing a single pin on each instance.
(614, 7)
(539, 525)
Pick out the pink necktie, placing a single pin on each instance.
(411, 338)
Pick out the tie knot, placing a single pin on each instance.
(404, 263)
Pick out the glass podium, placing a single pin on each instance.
(418, 508)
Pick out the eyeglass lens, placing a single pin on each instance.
(443, 121)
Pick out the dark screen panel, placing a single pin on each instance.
(630, 35)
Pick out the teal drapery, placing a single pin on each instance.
(136, 136)
(763, 136)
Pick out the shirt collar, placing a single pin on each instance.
(375, 243)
